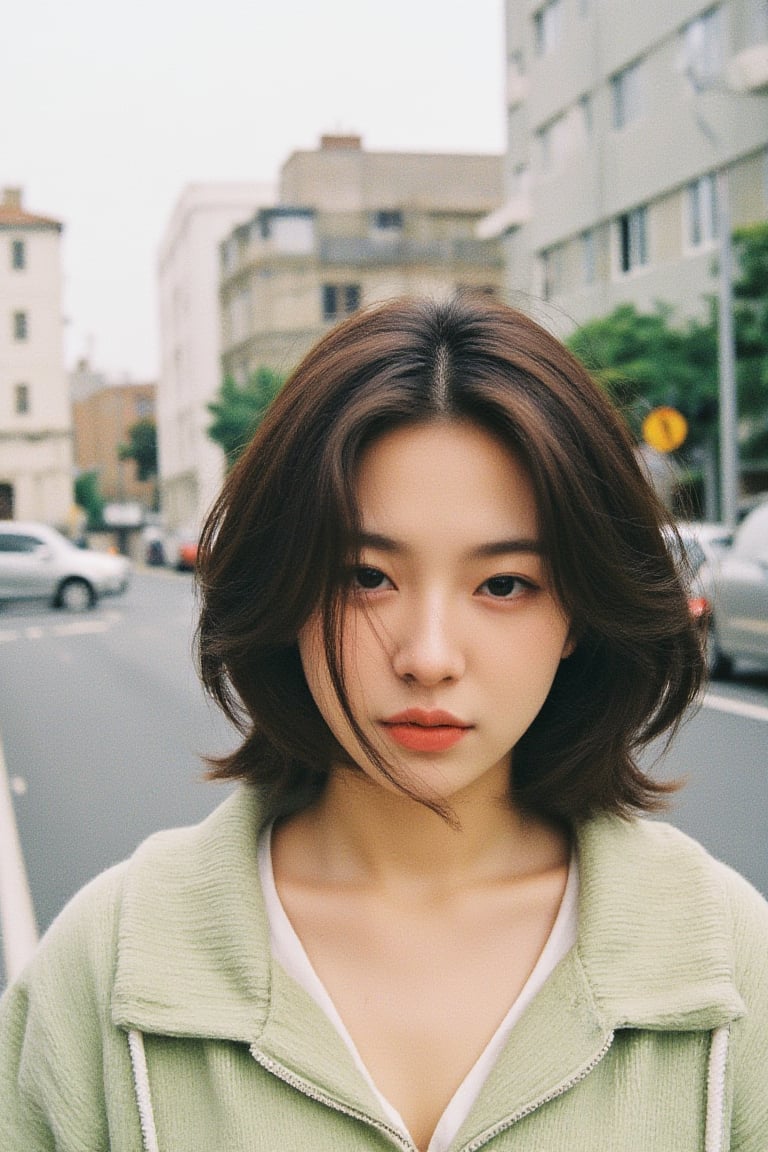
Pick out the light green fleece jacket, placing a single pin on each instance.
(153, 1017)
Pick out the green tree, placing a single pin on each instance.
(142, 447)
(89, 498)
(643, 360)
(646, 359)
(750, 292)
(239, 409)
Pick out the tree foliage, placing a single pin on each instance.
(239, 409)
(644, 360)
(750, 291)
(142, 447)
(89, 498)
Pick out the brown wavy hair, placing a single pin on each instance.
(276, 546)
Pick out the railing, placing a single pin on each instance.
(356, 250)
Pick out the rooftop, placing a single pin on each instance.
(13, 213)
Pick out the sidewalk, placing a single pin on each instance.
(18, 928)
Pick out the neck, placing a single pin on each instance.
(361, 832)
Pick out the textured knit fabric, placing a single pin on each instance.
(289, 952)
(615, 1052)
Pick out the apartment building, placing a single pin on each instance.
(190, 464)
(620, 117)
(103, 413)
(352, 227)
(35, 423)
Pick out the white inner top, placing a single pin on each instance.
(288, 950)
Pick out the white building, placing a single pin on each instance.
(619, 118)
(35, 421)
(191, 466)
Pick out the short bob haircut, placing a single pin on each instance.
(279, 541)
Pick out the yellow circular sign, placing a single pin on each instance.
(665, 429)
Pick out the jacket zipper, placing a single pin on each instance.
(313, 1093)
(288, 1077)
(553, 1094)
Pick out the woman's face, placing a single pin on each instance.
(451, 637)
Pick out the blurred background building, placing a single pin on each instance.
(619, 117)
(249, 283)
(35, 422)
(190, 464)
(103, 414)
(352, 227)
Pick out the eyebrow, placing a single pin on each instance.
(514, 544)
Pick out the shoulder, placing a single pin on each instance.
(82, 942)
(692, 922)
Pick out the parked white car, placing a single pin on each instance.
(694, 545)
(38, 563)
(736, 586)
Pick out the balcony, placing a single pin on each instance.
(749, 69)
(358, 251)
(512, 214)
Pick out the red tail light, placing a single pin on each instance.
(699, 607)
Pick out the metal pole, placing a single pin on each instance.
(729, 452)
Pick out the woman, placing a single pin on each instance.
(437, 602)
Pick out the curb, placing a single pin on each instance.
(17, 915)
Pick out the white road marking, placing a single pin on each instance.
(80, 627)
(735, 707)
(17, 914)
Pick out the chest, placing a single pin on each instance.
(422, 990)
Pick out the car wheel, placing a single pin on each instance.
(719, 666)
(76, 595)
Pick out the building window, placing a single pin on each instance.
(18, 254)
(585, 111)
(552, 268)
(758, 21)
(144, 408)
(388, 219)
(632, 230)
(703, 48)
(21, 399)
(627, 95)
(6, 501)
(20, 326)
(340, 300)
(702, 211)
(588, 257)
(547, 27)
(553, 144)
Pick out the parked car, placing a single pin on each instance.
(736, 586)
(38, 563)
(181, 550)
(702, 543)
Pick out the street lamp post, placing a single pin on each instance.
(726, 345)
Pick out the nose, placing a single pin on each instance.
(427, 650)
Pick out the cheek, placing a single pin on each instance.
(314, 663)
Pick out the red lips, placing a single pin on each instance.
(422, 730)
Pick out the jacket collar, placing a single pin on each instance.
(653, 947)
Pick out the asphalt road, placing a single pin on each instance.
(104, 727)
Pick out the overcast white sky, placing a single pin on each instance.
(109, 110)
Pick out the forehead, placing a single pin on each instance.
(445, 476)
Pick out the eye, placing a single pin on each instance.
(370, 579)
(505, 587)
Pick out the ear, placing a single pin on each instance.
(571, 643)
